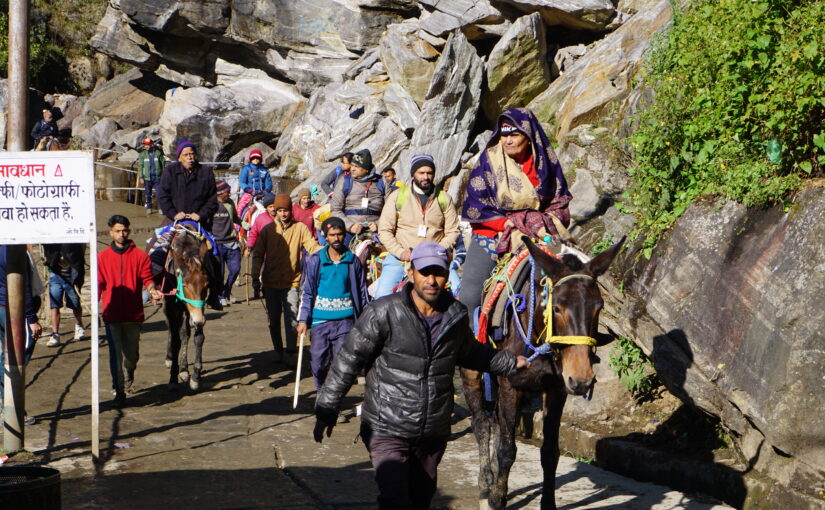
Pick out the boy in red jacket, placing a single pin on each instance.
(123, 269)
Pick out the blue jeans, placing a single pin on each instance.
(230, 260)
(59, 287)
(392, 272)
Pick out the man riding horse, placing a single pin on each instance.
(187, 192)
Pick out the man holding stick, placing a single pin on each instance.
(334, 294)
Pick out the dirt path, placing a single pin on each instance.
(238, 444)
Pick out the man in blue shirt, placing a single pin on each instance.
(334, 293)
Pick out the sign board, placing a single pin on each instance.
(46, 197)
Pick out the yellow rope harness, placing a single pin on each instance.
(549, 286)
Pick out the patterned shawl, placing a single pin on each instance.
(496, 187)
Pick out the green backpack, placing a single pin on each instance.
(404, 195)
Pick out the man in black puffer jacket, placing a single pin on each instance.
(410, 343)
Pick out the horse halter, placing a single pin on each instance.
(550, 339)
(182, 228)
(549, 287)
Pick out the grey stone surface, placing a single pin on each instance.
(409, 60)
(226, 118)
(310, 43)
(450, 110)
(100, 134)
(448, 15)
(132, 99)
(731, 318)
(401, 108)
(580, 14)
(516, 69)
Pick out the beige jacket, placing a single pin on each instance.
(398, 230)
(276, 256)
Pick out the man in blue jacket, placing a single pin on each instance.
(334, 294)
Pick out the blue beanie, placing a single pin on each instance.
(184, 143)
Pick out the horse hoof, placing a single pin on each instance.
(183, 376)
(168, 363)
(193, 385)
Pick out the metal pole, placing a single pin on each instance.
(18, 74)
(95, 340)
(15, 337)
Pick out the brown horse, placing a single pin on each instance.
(51, 143)
(184, 306)
(569, 287)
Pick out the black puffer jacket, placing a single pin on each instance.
(409, 392)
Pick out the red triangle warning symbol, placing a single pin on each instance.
(58, 172)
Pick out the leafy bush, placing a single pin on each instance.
(738, 111)
(633, 368)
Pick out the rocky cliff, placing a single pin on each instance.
(730, 305)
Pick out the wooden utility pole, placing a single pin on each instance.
(14, 402)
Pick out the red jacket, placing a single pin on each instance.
(305, 216)
(120, 278)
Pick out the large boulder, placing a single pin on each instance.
(730, 310)
(310, 43)
(408, 59)
(595, 15)
(402, 108)
(517, 68)
(133, 99)
(604, 75)
(224, 119)
(478, 19)
(449, 112)
(100, 135)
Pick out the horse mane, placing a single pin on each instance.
(188, 249)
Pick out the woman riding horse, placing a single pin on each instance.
(518, 174)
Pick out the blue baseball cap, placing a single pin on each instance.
(429, 254)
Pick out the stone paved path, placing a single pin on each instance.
(238, 444)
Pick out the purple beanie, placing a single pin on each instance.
(184, 143)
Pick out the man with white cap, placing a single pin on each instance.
(409, 343)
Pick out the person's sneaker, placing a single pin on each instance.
(30, 420)
(214, 303)
(78, 332)
(149, 212)
(224, 301)
(120, 399)
(54, 341)
(128, 380)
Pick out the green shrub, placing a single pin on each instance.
(634, 369)
(738, 110)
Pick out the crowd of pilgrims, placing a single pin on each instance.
(302, 265)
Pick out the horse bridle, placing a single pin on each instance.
(548, 287)
(178, 291)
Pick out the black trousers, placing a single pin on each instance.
(405, 470)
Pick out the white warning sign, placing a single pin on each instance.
(46, 197)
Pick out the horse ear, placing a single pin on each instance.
(602, 261)
(551, 266)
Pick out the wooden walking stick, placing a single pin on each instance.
(246, 277)
(298, 369)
